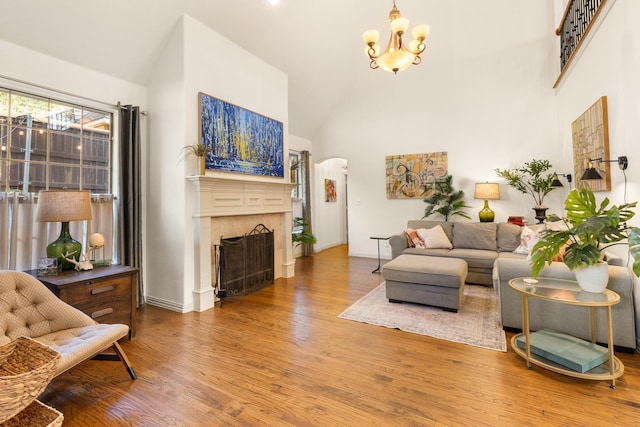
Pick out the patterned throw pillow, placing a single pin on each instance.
(413, 239)
(528, 239)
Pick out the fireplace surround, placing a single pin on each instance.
(226, 207)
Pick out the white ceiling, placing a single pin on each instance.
(317, 43)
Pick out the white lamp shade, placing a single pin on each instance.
(399, 25)
(370, 36)
(420, 31)
(487, 191)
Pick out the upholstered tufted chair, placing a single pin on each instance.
(28, 308)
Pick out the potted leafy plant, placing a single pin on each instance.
(301, 233)
(588, 230)
(200, 150)
(531, 179)
(445, 200)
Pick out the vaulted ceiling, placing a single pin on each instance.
(317, 43)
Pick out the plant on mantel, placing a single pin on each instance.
(200, 150)
(586, 231)
(531, 179)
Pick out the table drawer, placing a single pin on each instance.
(114, 311)
(91, 293)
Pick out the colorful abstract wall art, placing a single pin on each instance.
(241, 140)
(412, 176)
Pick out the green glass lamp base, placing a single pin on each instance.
(65, 245)
(486, 214)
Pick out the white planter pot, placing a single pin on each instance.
(593, 278)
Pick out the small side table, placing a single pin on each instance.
(378, 238)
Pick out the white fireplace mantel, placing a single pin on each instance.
(229, 197)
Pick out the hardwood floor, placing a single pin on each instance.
(281, 357)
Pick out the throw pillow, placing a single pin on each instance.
(508, 236)
(528, 239)
(413, 238)
(434, 238)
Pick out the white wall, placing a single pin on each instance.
(491, 105)
(196, 59)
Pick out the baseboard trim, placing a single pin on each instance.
(169, 305)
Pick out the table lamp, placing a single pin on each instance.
(487, 191)
(64, 206)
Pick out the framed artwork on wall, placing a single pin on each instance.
(590, 133)
(330, 194)
(242, 141)
(412, 176)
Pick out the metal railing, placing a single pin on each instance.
(576, 23)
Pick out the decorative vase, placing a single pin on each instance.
(541, 213)
(65, 245)
(201, 164)
(593, 278)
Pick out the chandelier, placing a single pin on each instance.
(397, 56)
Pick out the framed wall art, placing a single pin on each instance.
(242, 141)
(330, 194)
(412, 176)
(590, 133)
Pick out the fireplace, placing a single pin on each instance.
(244, 264)
(227, 207)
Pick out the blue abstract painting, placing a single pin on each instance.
(241, 140)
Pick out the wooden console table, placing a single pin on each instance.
(567, 292)
(106, 294)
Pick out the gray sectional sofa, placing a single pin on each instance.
(478, 243)
(488, 250)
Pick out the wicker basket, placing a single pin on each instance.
(26, 367)
(36, 414)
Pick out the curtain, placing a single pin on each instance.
(130, 209)
(305, 157)
(23, 240)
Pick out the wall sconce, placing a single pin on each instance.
(556, 181)
(592, 173)
(487, 191)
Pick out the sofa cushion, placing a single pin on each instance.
(508, 236)
(434, 238)
(480, 235)
(427, 252)
(475, 258)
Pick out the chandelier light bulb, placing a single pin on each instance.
(370, 36)
(420, 32)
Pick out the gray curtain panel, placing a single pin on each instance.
(305, 158)
(130, 209)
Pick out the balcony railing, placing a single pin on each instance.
(579, 18)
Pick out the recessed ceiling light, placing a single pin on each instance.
(274, 2)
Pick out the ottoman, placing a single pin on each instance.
(426, 280)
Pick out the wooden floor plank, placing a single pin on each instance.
(282, 357)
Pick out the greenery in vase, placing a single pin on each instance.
(301, 233)
(198, 150)
(589, 229)
(445, 200)
(530, 179)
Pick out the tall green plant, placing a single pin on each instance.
(530, 179)
(445, 200)
(590, 229)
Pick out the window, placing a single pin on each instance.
(46, 144)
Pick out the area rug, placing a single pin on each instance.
(477, 323)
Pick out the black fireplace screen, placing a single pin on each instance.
(245, 263)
